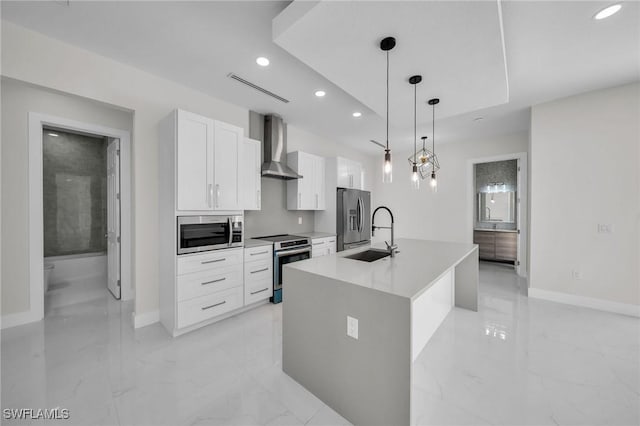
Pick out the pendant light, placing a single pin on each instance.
(434, 180)
(386, 45)
(415, 178)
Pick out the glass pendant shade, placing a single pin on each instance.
(415, 178)
(387, 167)
(434, 182)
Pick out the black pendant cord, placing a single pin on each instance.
(433, 131)
(415, 126)
(387, 100)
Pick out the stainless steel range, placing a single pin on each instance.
(286, 249)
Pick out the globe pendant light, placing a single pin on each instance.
(434, 160)
(386, 45)
(415, 178)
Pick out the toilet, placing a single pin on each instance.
(48, 268)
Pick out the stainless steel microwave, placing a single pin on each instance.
(204, 233)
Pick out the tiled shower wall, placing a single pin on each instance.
(497, 171)
(75, 193)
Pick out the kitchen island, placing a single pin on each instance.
(394, 306)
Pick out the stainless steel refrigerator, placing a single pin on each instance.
(354, 218)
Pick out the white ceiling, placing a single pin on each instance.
(551, 49)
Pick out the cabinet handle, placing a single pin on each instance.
(214, 281)
(210, 195)
(217, 195)
(262, 252)
(299, 200)
(350, 181)
(259, 291)
(316, 244)
(213, 306)
(258, 199)
(317, 201)
(204, 262)
(260, 270)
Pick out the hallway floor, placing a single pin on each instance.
(516, 361)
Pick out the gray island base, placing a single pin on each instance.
(398, 304)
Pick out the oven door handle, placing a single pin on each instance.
(289, 252)
(229, 225)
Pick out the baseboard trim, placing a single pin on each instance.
(19, 318)
(148, 318)
(586, 302)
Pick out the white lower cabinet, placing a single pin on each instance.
(207, 285)
(323, 246)
(258, 274)
(199, 309)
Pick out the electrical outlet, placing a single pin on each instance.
(352, 327)
(576, 274)
(299, 220)
(605, 228)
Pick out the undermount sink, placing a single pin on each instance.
(368, 255)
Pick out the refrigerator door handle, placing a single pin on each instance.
(361, 214)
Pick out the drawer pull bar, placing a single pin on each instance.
(214, 281)
(213, 261)
(260, 270)
(262, 252)
(213, 306)
(259, 291)
(317, 244)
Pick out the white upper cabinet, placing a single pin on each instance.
(227, 141)
(194, 161)
(308, 192)
(208, 163)
(349, 173)
(251, 163)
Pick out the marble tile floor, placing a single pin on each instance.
(517, 361)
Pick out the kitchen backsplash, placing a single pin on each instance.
(274, 218)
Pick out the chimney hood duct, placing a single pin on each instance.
(274, 141)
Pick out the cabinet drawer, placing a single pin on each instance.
(258, 253)
(483, 237)
(256, 291)
(319, 251)
(203, 308)
(258, 271)
(209, 260)
(206, 282)
(487, 251)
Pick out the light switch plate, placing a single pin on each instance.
(352, 327)
(299, 220)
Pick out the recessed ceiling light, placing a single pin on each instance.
(608, 11)
(478, 118)
(262, 61)
(55, 135)
(320, 93)
(357, 114)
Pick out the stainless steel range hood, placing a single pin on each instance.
(272, 131)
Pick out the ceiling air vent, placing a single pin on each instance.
(258, 88)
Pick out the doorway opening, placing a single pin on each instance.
(498, 209)
(79, 213)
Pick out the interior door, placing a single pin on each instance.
(113, 217)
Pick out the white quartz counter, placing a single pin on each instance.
(417, 265)
(248, 243)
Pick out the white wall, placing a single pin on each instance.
(80, 72)
(445, 215)
(585, 158)
(18, 99)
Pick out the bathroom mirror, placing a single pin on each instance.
(497, 207)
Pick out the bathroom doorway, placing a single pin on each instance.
(80, 219)
(498, 207)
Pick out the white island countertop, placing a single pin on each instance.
(417, 265)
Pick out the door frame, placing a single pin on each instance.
(37, 122)
(523, 195)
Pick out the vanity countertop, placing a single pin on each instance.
(495, 230)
